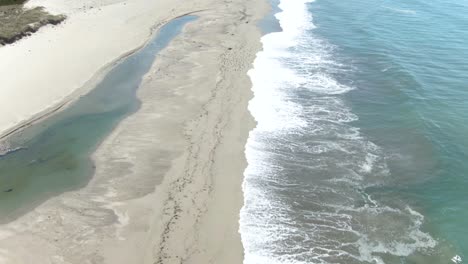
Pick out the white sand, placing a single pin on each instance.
(39, 72)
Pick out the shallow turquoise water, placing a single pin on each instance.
(411, 74)
(54, 155)
(360, 153)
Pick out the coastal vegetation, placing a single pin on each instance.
(11, 2)
(16, 21)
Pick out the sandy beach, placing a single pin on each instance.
(167, 186)
(67, 60)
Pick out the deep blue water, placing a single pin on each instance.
(361, 150)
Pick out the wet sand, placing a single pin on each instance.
(167, 187)
(42, 72)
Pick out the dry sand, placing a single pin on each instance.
(41, 72)
(167, 187)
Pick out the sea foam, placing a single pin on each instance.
(305, 196)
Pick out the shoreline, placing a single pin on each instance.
(120, 83)
(55, 54)
(84, 89)
(168, 173)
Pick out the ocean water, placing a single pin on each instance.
(53, 156)
(360, 154)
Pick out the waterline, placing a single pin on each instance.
(55, 154)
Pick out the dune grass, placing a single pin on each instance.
(11, 2)
(17, 21)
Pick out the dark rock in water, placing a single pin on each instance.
(9, 190)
